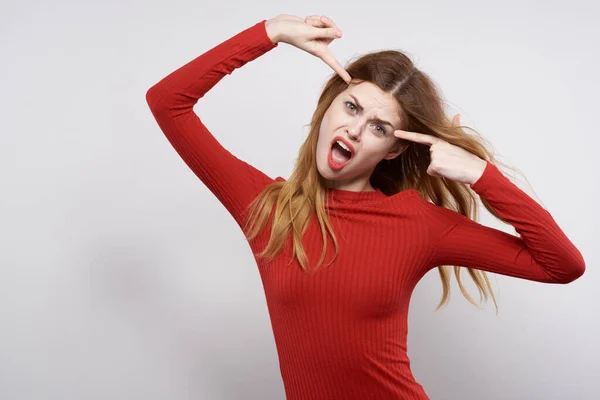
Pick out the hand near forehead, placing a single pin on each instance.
(448, 160)
(312, 34)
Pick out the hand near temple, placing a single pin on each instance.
(448, 160)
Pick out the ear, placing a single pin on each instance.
(397, 149)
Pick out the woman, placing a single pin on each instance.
(383, 190)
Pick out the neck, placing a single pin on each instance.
(364, 186)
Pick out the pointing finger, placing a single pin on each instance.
(336, 66)
(416, 137)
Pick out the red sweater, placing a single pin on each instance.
(341, 332)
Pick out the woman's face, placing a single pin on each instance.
(361, 119)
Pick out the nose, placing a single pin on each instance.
(353, 132)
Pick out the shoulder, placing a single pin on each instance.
(437, 216)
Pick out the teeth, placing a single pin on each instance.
(343, 145)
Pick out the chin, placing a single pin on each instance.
(325, 172)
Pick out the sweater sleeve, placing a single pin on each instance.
(541, 253)
(234, 182)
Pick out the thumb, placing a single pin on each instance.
(456, 120)
(325, 33)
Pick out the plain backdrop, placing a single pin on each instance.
(122, 277)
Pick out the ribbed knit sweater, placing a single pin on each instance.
(341, 331)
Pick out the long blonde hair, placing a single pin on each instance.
(296, 200)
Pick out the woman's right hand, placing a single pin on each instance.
(312, 34)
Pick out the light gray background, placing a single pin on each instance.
(122, 277)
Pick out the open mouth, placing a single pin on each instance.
(340, 154)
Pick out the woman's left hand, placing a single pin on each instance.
(448, 160)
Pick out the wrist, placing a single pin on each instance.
(273, 30)
(478, 173)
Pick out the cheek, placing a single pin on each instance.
(333, 117)
(325, 123)
(325, 131)
(322, 136)
(375, 148)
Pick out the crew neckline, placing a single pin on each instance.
(342, 195)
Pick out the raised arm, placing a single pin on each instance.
(234, 182)
(542, 253)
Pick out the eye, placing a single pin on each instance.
(381, 129)
(352, 107)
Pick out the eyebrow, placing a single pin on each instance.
(381, 121)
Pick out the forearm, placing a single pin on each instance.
(179, 91)
(538, 230)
